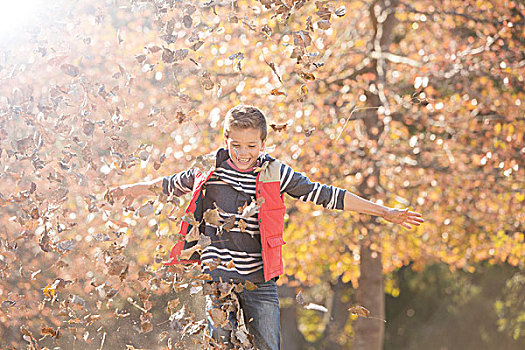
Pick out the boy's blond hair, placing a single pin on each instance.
(245, 117)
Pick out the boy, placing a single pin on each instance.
(246, 187)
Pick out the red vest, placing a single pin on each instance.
(271, 218)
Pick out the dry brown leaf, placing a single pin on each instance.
(359, 311)
(242, 225)
(278, 127)
(211, 216)
(276, 92)
(229, 223)
(250, 286)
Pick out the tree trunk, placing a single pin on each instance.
(341, 302)
(291, 337)
(369, 332)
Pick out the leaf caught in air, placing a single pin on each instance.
(250, 286)
(49, 331)
(360, 311)
(276, 92)
(206, 81)
(187, 21)
(70, 69)
(312, 306)
(242, 225)
(306, 75)
(323, 24)
(251, 209)
(211, 216)
(278, 127)
(229, 223)
(340, 11)
(308, 132)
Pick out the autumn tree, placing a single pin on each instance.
(410, 103)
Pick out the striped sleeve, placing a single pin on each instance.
(299, 186)
(178, 184)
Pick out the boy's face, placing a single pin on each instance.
(244, 146)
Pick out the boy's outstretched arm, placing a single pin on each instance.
(130, 192)
(404, 217)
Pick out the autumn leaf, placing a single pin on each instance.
(49, 331)
(276, 92)
(306, 75)
(323, 24)
(218, 317)
(250, 286)
(251, 209)
(261, 168)
(211, 217)
(70, 69)
(309, 132)
(206, 81)
(278, 127)
(193, 235)
(228, 224)
(312, 306)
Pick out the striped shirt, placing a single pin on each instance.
(235, 254)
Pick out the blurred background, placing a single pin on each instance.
(413, 104)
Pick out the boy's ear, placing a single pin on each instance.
(263, 145)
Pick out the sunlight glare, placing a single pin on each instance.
(16, 15)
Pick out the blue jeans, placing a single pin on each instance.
(260, 309)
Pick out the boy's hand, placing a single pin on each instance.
(404, 217)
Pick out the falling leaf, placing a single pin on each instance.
(229, 223)
(66, 246)
(211, 216)
(250, 286)
(274, 69)
(195, 47)
(359, 310)
(206, 81)
(193, 235)
(312, 306)
(304, 89)
(70, 69)
(49, 331)
(187, 21)
(323, 24)
(340, 11)
(261, 168)
(299, 298)
(8, 303)
(242, 225)
(306, 75)
(251, 209)
(203, 277)
(117, 265)
(308, 132)
(168, 38)
(267, 31)
(167, 56)
(180, 54)
(276, 92)
(278, 127)
(195, 290)
(218, 317)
